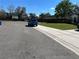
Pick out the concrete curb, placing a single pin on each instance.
(68, 45)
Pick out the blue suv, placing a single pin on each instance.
(33, 22)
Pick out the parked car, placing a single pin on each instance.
(0, 22)
(33, 22)
(78, 26)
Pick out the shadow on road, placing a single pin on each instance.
(77, 30)
(29, 26)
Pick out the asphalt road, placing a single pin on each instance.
(20, 42)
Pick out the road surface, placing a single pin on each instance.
(20, 42)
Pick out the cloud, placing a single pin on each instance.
(52, 8)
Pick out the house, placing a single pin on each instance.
(15, 16)
(75, 14)
(75, 18)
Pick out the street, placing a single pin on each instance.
(20, 42)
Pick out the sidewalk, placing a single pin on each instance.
(68, 38)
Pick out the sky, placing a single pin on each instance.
(34, 6)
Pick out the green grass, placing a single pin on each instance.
(62, 26)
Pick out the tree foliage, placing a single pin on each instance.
(33, 15)
(76, 9)
(2, 13)
(42, 15)
(64, 8)
(21, 11)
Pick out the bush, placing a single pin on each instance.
(55, 20)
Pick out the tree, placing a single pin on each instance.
(2, 14)
(11, 10)
(43, 16)
(32, 15)
(47, 14)
(76, 9)
(64, 8)
(20, 11)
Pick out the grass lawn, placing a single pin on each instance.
(62, 26)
